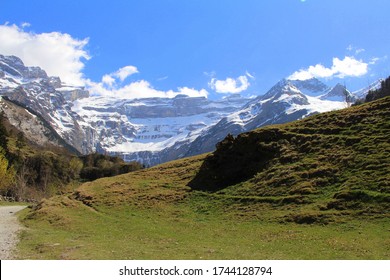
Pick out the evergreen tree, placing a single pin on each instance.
(20, 140)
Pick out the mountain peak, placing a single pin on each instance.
(311, 87)
(11, 59)
(338, 93)
(14, 66)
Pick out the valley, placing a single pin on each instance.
(190, 139)
(315, 189)
(299, 172)
(157, 130)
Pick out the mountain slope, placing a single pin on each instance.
(343, 151)
(247, 200)
(325, 163)
(151, 130)
(332, 161)
(284, 102)
(34, 127)
(32, 88)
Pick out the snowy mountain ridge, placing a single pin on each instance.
(46, 96)
(155, 130)
(136, 127)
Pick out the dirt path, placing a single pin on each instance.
(9, 227)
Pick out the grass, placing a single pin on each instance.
(197, 230)
(313, 189)
(8, 203)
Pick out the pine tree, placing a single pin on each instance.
(20, 140)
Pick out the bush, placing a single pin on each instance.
(7, 175)
(97, 166)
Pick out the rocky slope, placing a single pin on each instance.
(143, 129)
(33, 89)
(35, 129)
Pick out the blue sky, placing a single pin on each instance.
(199, 47)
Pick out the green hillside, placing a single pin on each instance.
(312, 189)
(334, 161)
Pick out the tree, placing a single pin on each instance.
(20, 140)
(7, 175)
(22, 177)
(75, 166)
(3, 134)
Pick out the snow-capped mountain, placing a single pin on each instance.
(156, 130)
(138, 129)
(361, 94)
(338, 93)
(283, 103)
(31, 88)
(142, 129)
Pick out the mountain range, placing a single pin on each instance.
(150, 130)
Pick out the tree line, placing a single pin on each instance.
(382, 91)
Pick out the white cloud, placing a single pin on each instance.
(349, 66)
(138, 89)
(59, 54)
(121, 74)
(359, 51)
(162, 78)
(376, 60)
(230, 85)
(250, 75)
(25, 24)
(351, 48)
(125, 72)
(191, 92)
(108, 80)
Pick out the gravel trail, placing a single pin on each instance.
(9, 227)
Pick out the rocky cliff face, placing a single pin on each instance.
(30, 87)
(34, 128)
(151, 130)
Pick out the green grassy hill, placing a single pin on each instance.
(312, 189)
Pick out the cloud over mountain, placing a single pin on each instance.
(230, 85)
(58, 53)
(121, 74)
(347, 67)
(138, 89)
(62, 55)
